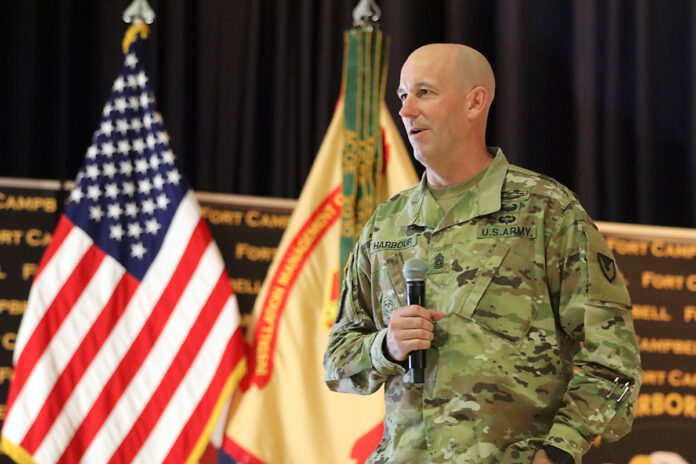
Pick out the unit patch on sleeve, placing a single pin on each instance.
(607, 266)
(605, 280)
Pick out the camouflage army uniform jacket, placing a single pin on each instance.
(537, 342)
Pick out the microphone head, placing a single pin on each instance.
(415, 269)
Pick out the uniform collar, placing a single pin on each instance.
(483, 198)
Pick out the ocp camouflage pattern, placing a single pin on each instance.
(537, 342)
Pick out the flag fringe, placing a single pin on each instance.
(230, 385)
(15, 452)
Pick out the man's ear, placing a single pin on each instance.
(476, 101)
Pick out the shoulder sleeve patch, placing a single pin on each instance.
(606, 285)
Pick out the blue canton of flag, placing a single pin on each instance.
(129, 187)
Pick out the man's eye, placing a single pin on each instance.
(422, 92)
(402, 97)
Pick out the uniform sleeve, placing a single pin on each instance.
(593, 310)
(354, 361)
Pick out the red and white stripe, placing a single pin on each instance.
(109, 369)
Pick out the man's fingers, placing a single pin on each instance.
(405, 323)
(412, 311)
(417, 344)
(413, 334)
(410, 328)
(399, 349)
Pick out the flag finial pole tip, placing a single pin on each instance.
(366, 14)
(139, 11)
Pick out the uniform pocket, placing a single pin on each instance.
(477, 276)
(505, 297)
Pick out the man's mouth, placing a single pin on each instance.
(416, 131)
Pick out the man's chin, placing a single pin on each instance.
(421, 157)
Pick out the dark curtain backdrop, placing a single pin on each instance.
(599, 94)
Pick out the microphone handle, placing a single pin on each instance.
(415, 295)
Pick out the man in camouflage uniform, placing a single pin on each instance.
(531, 352)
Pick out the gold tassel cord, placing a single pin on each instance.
(132, 34)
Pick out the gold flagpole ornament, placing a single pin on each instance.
(366, 14)
(139, 11)
(139, 14)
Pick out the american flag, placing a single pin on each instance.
(130, 344)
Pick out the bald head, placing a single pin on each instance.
(468, 67)
(446, 92)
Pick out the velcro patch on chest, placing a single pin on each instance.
(488, 231)
(398, 244)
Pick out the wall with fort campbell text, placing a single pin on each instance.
(658, 265)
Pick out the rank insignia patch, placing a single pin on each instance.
(439, 261)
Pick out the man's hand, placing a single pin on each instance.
(410, 328)
(540, 457)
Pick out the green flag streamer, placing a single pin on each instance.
(364, 79)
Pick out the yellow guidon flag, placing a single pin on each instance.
(286, 413)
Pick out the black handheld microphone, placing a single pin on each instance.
(414, 272)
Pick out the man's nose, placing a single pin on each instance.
(408, 108)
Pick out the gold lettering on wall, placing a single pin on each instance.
(32, 237)
(36, 238)
(253, 253)
(246, 286)
(671, 404)
(13, 307)
(28, 270)
(662, 249)
(689, 313)
(23, 203)
(8, 341)
(677, 378)
(11, 236)
(674, 377)
(651, 313)
(3, 275)
(5, 374)
(254, 218)
(649, 279)
(654, 377)
(691, 282)
(667, 345)
(622, 246)
(222, 216)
